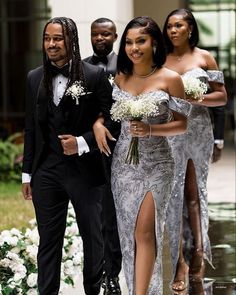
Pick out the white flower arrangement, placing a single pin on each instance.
(111, 79)
(142, 107)
(76, 90)
(194, 88)
(18, 258)
(134, 109)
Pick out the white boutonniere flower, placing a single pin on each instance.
(76, 90)
(111, 79)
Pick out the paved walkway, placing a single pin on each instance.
(221, 188)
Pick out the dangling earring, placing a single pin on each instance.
(190, 35)
(154, 48)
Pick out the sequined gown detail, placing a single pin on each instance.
(130, 183)
(196, 144)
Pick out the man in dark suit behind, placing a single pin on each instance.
(61, 159)
(103, 36)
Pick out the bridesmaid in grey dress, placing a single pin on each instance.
(188, 211)
(141, 192)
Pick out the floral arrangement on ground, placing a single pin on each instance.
(18, 258)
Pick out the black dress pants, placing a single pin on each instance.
(52, 190)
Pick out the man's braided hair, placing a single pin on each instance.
(71, 38)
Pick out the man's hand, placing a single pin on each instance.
(69, 144)
(216, 154)
(26, 191)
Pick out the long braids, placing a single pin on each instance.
(71, 38)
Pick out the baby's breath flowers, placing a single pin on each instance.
(75, 91)
(18, 258)
(194, 88)
(137, 109)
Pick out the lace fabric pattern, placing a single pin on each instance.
(130, 184)
(196, 144)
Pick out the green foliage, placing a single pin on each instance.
(11, 158)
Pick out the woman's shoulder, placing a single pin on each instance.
(170, 74)
(208, 58)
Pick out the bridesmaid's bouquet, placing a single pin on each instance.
(134, 110)
(194, 88)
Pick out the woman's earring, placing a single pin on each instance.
(154, 49)
(190, 35)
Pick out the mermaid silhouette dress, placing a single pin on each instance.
(196, 144)
(130, 183)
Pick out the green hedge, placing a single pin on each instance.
(11, 156)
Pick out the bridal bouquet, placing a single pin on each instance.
(134, 109)
(194, 88)
(18, 258)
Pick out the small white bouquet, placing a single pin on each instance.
(134, 109)
(194, 88)
(76, 90)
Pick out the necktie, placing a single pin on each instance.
(97, 59)
(65, 71)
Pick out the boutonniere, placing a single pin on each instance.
(111, 79)
(76, 90)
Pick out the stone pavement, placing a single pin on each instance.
(221, 188)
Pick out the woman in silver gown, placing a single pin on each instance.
(188, 211)
(141, 192)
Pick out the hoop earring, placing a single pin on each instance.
(190, 35)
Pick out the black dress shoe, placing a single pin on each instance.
(111, 286)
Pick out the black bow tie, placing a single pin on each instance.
(65, 71)
(96, 59)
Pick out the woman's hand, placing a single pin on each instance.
(101, 135)
(139, 129)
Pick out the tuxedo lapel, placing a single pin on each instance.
(42, 104)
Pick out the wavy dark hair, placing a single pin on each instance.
(190, 19)
(70, 31)
(150, 27)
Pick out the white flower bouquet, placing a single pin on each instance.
(76, 90)
(18, 258)
(134, 109)
(194, 88)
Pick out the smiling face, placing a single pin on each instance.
(54, 44)
(103, 35)
(178, 30)
(139, 46)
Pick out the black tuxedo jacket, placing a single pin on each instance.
(111, 65)
(80, 119)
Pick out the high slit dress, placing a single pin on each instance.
(196, 144)
(130, 184)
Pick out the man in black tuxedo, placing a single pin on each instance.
(103, 36)
(61, 159)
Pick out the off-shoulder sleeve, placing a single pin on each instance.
(215, 76)
(180, 105)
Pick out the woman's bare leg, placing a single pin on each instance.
(145, 245)
(193, 204)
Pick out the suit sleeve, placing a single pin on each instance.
(29, 129)
(104, 101)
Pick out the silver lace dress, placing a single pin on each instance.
(196, 144)
(130, 183)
